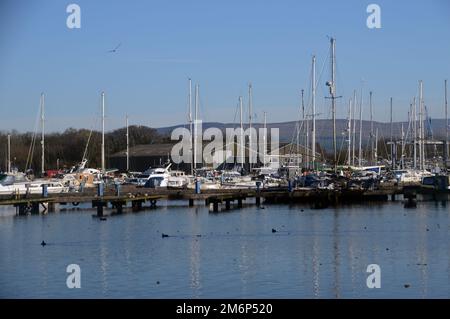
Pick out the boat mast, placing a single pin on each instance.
(250, 107)
(354, 128)
(421, 128)
(313, 129)
(242, 133)
(349, 128)
(371, 129)
(43, 133)
(103, 132)
(305, 118)
(402, 147)
(392, 137)
(360, 155)
(128, 144)
(264, 138)
(190, 122)
(376, 144)
(195, 125)
(9, 154)
(297, 143)
(333, 97)
(415, 132)
(446, 120)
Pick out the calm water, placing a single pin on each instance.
(314, 254)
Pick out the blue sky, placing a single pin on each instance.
(222, 46)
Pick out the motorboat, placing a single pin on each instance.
(410, 176)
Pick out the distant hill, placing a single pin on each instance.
(324, 130)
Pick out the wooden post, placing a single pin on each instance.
(100, 210)
(35, 208)
(23, 208)
(99, 205)
(227, 205)
(51, 207)
(216, 206)
(239, 202)
(119, 207)
(191, 202)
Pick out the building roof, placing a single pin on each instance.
(147, 150)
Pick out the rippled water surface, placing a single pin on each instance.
(313, 254)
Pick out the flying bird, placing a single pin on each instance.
(115, 49)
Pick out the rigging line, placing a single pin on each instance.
(32, 143)
(33, 140)
(340, 150)
(94, 124)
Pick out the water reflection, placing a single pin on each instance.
(195, 257)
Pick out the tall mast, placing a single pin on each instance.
(371, 129)
(333, 98)
(392, 137)
(190, 121)
(103, 132)
(376, 144)
(402, 148)
(298, 129)
(354, 127)
(421, 130)
(360, 155)
(313, 129)
(43, 133)
(415, 133)
(9, 154)
(250, 107)
(305, 118)
(128, 145)
(242, 132)
(349, 128)
(446, 120)
(264, 139)
(195, 125)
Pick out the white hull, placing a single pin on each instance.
(33, 188)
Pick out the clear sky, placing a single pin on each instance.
(222, 46)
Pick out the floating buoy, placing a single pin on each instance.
(274, 230)
(164, 235)
(43, 243)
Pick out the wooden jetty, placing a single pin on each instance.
(217, 200)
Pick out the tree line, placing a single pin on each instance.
(66, 149)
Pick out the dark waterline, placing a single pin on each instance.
(313, 254)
